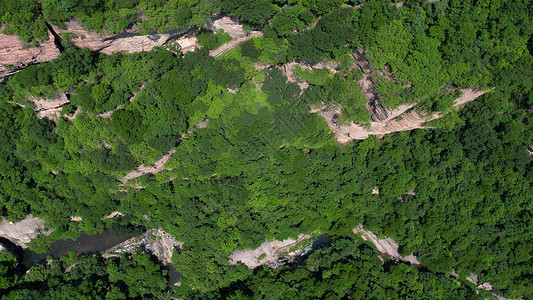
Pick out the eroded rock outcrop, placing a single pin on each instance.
(22, 232)
(157, 242)
(267, 253)
(129, 41)
(16, 54)
(386, 246)
(403, 118)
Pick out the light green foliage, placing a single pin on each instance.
(212, 40)
(456, 194)
(23, 19)
(314, 77)
(291, 18)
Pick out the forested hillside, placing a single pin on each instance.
(226, 151)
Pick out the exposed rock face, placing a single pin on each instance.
(47, 108)
(15, 54)
(128, 41)
(24, 231)
(384, 120)
(233, 28)
(157, 242)
(271, 250)
(385, 246)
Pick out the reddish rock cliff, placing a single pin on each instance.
(16, 54)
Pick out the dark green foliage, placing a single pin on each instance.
(128, 124)
(346, 269)
(228, 73)
(262, 167)
(23, 18)
(291, 18)
(248, 49)
(123, 226)
(212, 40)
(125, 277)
(254, 12)
(8, 271)
(333, 32)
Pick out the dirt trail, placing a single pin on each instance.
(272, 250)
(107, 114)
(142, 170)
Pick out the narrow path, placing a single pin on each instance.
(233, 43)
(142, 170)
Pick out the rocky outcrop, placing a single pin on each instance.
(156, 242)
(232, 27)
(267, 252)
(16, 54)
(402, 118)
(129, 41)
(22, 232)
(386, 246)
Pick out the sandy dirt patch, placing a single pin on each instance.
(114, 215)
(46, 104)
(272, 252)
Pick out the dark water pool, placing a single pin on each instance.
(84, 245)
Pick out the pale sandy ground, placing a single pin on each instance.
(14, 55)
(24, 231)
(273, 251)
(233, 28)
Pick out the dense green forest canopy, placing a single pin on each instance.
(458, 194)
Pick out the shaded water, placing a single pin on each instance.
(84, 245)
(321, 241)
